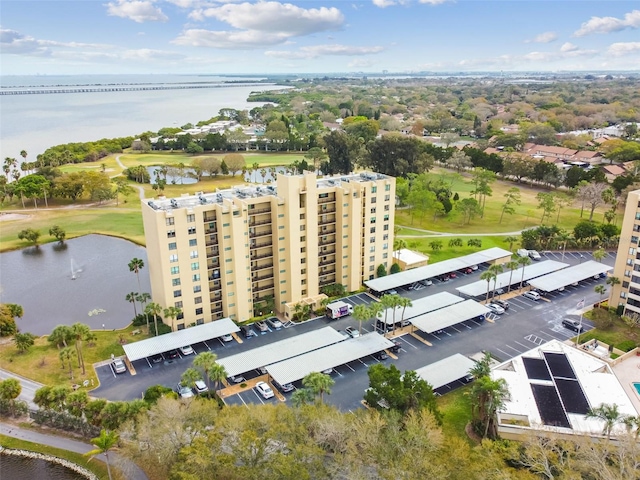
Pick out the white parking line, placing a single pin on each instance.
(349, 367)
(509, 346)
(408, 343)
(521, 344)
(455, 329)
(507, 354)
(258, 396)
(363, 363)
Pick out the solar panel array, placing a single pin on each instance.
(561, 393)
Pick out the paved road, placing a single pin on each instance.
(130, 470)
(29, 387)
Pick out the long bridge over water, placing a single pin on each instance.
(118, 88)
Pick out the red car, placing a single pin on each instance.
(467, 270)
(453, 275)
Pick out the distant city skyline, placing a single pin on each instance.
(55, 37)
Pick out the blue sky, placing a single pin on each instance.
(206, 36)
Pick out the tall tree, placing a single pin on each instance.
(487, 398)
(61, 336)
(512, 198)
(24, 341)
(318, 383)
(511, 265)
(104, 444)
(135, 265)
(523, 262)
(511, 240)
(131, 298)
(80, 332)
(153, 309)
(206, 361)
(609, 414)
(58, 233)
(487, 276)
(30, 235)
(360, 314)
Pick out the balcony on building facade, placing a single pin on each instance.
(253, 222)
(262, 288)
(326, 210)
(211, 240)
(331, 219)
(326, 252)
(262, 277)
(210, 227)
(212, 252)
(323, 243)
(211, 263)
(258, 211)
(327, 281)
(256, 268)
(215, 296)
(326, 200)
(255, 245)
(260, 233)
(327, 231)
(209, 217)
(327, 262)
(254, 256)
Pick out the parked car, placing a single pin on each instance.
(474, 267)
(262, 326)
(238, 379)
(522, 252)
(467, 270)
(572, 325)
(453, 275)
(503, 303)
(497, 309)
(287, 387)
(186, 350)
(328, 371)
(157, 358)
(427, 283)
(264, 390)
(396, 346)
(227, 338)
(353, 332)
(391, 292)
(274, 323)
(534, 255)
(381, 355)
(200, 387)
(533, 295)
(173, 354)
(480, 318)
(247, 331)
(344, 334)
(498, 291)
(444, 278)
(184, 391)
(119, 366)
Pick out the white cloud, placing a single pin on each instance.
(545, 37)
(14, 42)
(137, 10)
(384, 3)
(240, 40)
(360, 63)
(609, 24)
(324, 50)
(623, 48)
(434, 2)
(568, 47)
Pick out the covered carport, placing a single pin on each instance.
(389, 282)
(171, 341)
(479, 288)
(449, 316)
(441, 374)
(297, 368)
(568, 276)
(419, 307)
(275, 352)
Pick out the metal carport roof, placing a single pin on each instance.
(446, 317)
(388, 282)
(170, 341)
(422, 306)
(278, 351)
(445, 371)
(554, 281)
(534, 270)
(299, 367)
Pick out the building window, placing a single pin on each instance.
(386, 227)
(372, 239)
(177, 293)
(191, 218)
(193, 242)
(372, 249)
(181, 326)
(387, 188)
(197, 300)
(627, 273)
(175, 282)
(385, 255)
(195, 266)
(175, 270)
(385, 246)
(192, 230)
(386, 198)
(196, 277)
(374, 199)
(386, 218)
(372, 230)
(372, 258)
(374, 189)
(632, 251)
(634, 240)
(625, 284)
(386, 208)
(173, 258)
(385, 236)
(199, 311)
(178, 304)
(302, 228)
(169, 221)
(629, 262)
(193, 254)
(302, 216)
(373, 219)
(230, 294)
(197, 289)
(171, 234)
(173, 246)
(303, 238)
(623, 295)
(371, 268)
(373, 210)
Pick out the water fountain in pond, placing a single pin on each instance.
(74, 270)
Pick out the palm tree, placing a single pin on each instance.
(404, 302)
(487, 276)
(613, 281)
(496, 269)
(80, 331)
(523, 261)
(301, 396)
(104, 443)
(67, 354)
(318, 383)
(482, 368)
(61, 335)
(599, 254)
(399, 244)
(135, 265)
(131, 298)
(172, 313)
(23, 341)
(217, 373)
(511, 240)
(206, 361)
(601, 289)
(143, 298)
(487, 399)
(395, 303)
(153, 309)
(563, 237)
(632, 423)
(511, 265)
(361, 313)
(189, 377)
(387, 302)
(609, 414)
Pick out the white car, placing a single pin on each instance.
(200, 387)
(186, 350)
(237, 379)
(227, 338)
(119, 366)
(353, 333)
(534, 255)
(184, 391)
(522, 252)
(532, 295)
(274, 323)
(427, 283)
(497, 309)
(264, 390)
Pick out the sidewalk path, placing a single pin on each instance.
(29, 387)
(130, 470)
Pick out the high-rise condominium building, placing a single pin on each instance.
(627, 267)
(240, 252)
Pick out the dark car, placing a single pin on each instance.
(572, 325)
(173, 354)
(381, 355)
(396, 347)
(157, 358)
(247, 331)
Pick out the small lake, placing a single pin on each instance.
(42, 281)
(22, 468)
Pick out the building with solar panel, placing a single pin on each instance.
(553, 386)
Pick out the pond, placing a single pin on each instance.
(173, 176)
(22, 468)
(61, 286)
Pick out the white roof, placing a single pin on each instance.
(278, 351)
(445, 371)
(448, 316)
(388, 282)
(554, 281)
(422, 306)
(181, 338)
(299, 367)
(536, 269)
(596, 378)
(409, 257)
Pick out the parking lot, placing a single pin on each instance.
(526, 324)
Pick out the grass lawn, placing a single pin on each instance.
(160, 158)
(456, 409)
(42, 362)
(422, 245)
(617, 333)
(111, 166)
(96, 466)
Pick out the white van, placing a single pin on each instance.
(522, 252)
